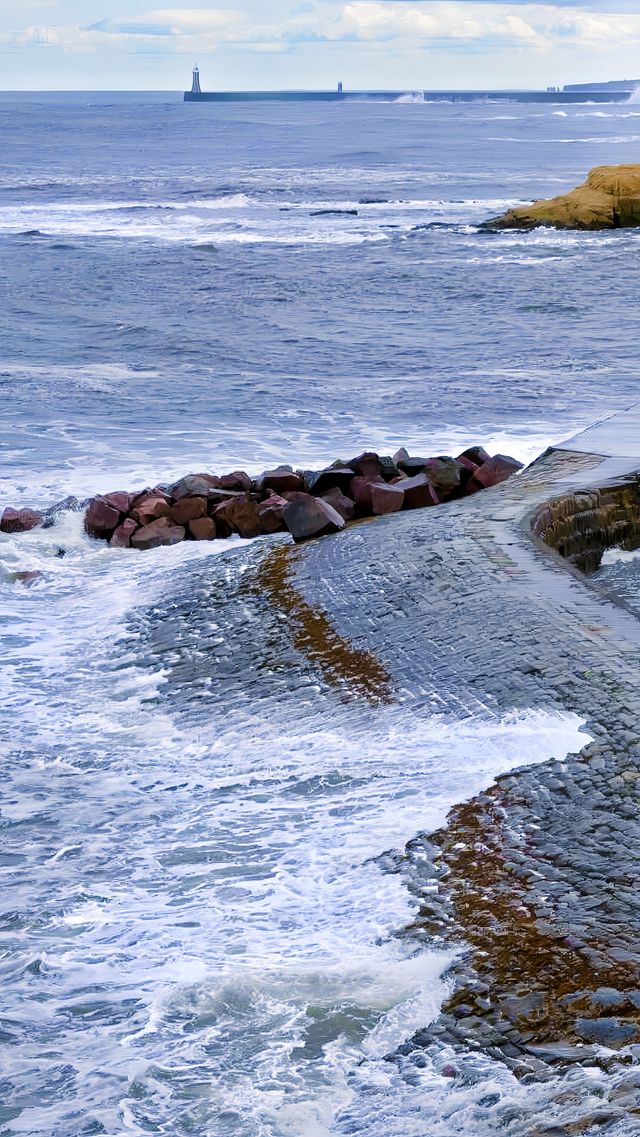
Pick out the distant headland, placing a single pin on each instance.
(617, 91)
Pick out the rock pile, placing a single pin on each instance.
(609, 199)
(307, 503)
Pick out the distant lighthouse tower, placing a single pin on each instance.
(195, 86)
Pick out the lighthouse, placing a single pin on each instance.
(195, 86)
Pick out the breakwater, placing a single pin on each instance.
(306, 503)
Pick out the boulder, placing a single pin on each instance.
(121, 537)
(360, 491)
(194, 485)
(417, 492)
(238, 515)
(340, 502)
(237, 480)
(188, 509)
(400, 455)
(119, 500)
(608, 199)
(101, 519)
(386, 498)
(367, 465)
(162, 531)
(149, 506)
(610, 1032)
(202, 528)
(271, 513)
(281, 479)
(215, 497)
(474, 454)
(319, 482)
(19, 520)
(309, 516)
(445, 476)
(496, 470)
(412, 466)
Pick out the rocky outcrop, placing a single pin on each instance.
(608, 199)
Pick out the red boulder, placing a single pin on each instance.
(342, 504)
(188, 509)
(121, 538)
(19, 520)
(417, 492)
(492, 472)
(367, 465)
(309, 516)
(360, 491)
(194, 485)
(101, 519)
(202, 528)
(386, 498)
(238, 515)
(119, 500)
(149, 506)
(281, 480)
(476, 454)
(237, 480)
(162, 531)
(271, 511)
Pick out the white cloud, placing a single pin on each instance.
(414, 24)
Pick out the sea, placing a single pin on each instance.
(199, 933)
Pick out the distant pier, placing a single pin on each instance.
(599, 93)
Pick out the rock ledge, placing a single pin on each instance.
(608, 199)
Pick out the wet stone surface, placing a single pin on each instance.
(535, 879)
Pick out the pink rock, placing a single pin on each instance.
(340, 502)
(476, 454)
(386, 498)
(360, 491)
(467, 464)
(202, 528)
(148, 507)
(237, 480)
(271, 513)
(400, 455)
(195, 485)
(367, 465)
(101, 519)
(121, 538)
(417, 492)
(188, 509)
(309, 516)
(119, 500)
(19, 520)
(239, 515)
(281, 480)
(162, 531)
(492, 472)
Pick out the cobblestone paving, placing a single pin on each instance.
(537, 876)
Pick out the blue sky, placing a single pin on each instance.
(131, 44)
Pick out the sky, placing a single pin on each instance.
(130, 45)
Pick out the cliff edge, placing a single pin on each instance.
(608, 199)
